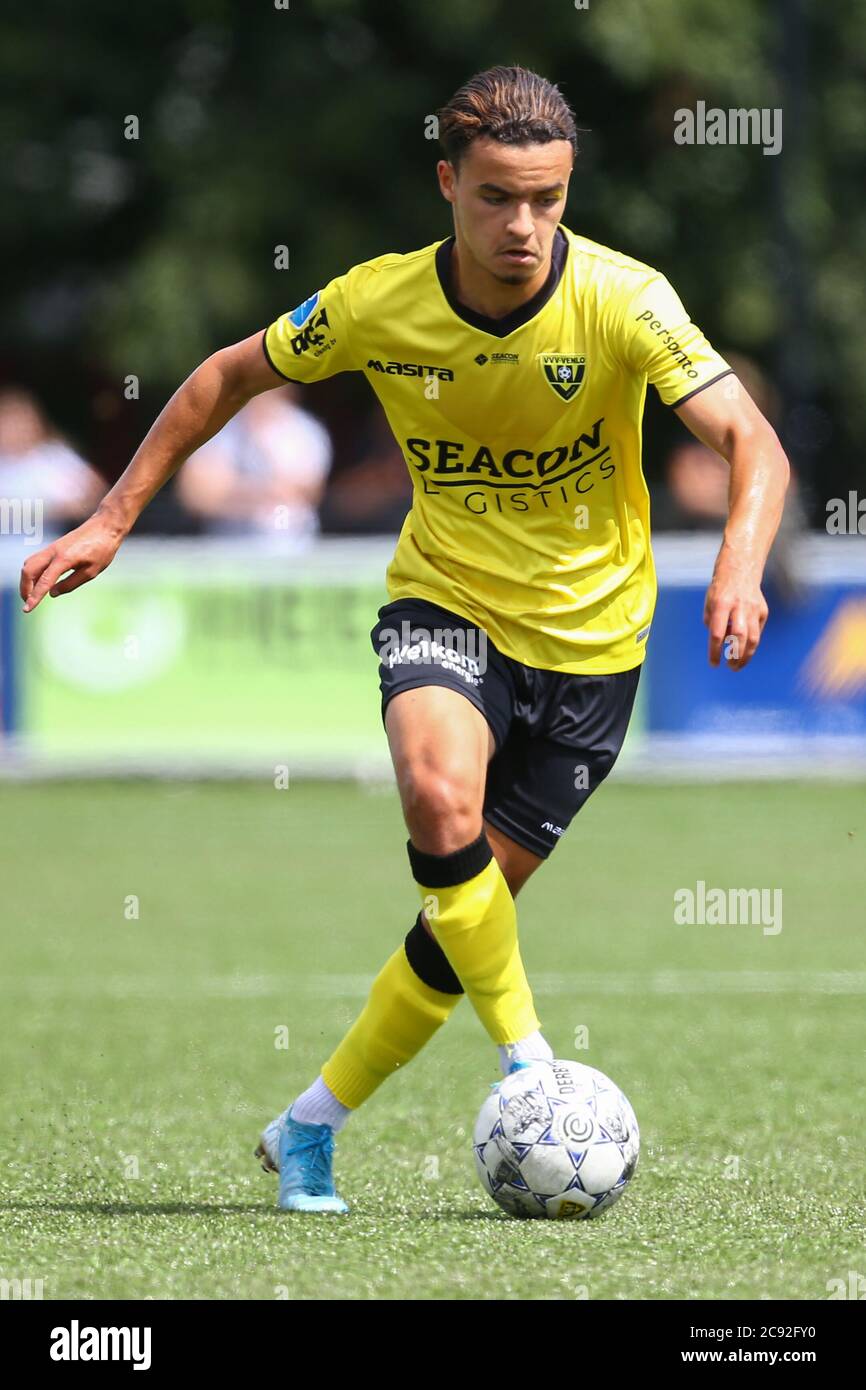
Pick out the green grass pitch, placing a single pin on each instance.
(140, 1057)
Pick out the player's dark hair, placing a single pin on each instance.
(512, 105)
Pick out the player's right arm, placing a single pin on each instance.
(199, 408)
(308, 344)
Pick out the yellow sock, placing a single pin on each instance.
(401, 1014)
(475, 923)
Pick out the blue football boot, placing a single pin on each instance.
(301, 1154)
(515, 1066)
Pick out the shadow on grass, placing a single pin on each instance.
(220, 1209)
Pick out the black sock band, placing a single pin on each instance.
(429, 961)
(447, 870)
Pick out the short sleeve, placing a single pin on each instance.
(660, 341)
(312, 342)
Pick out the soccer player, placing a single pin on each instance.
(512, 360)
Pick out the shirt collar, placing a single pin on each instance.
(501, 327)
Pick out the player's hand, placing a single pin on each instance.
(86, 552)
(735, 612)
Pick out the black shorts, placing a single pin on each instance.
(557, 734)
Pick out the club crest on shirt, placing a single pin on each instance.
(563, 372)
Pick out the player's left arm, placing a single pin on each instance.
(724, 417)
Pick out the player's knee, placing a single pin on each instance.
(442, 811)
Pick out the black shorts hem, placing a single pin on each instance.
(520, 835)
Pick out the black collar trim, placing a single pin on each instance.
(500, 328)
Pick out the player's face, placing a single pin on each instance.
(507, 201)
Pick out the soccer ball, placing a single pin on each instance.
(556, 1139)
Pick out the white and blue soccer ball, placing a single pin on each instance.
(556, 1139)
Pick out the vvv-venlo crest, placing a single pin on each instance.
(563, 372)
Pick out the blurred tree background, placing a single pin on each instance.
(305, 126)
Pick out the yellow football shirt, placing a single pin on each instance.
(522, 435)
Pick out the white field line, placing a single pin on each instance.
(40, 988)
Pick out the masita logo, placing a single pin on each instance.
(77, 1343)
(409, 369)
(551, 828)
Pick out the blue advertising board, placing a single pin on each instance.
(807, 679)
